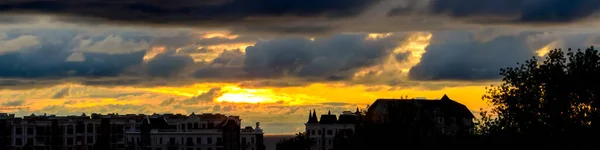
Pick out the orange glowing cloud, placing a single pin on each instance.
(153, 52)
(226, 35)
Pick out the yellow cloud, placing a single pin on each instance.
(375, 36)
(546, 49)
(226, 35)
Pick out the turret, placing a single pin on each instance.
(312, 118)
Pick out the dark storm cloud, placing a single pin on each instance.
(44, 57)
(514, 11)
(456, 55)
(185, 12)
(50, 63)
(338, 56)
(168, 64)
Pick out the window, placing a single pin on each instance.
(18, 142)
(18, 131)
(440, 120)
(40, 130)
(452, 120)
(30, 131)
(160, 140)
(80, 128)
(243, 140)
(171, 140)
(252, 140)
(218, 148)
(189, 140)
(29, 141)
(219, 141)
(208, 140)
(69, 141)
(312, 132)
(209, 148)
(329, 141)
(329, 132)
(198, 140)
(90, 139)
(198, 148)
(195, 125)
(90, 128)
(69, 129)
(39, 139)
(319, 133)
(158, 148)
(189, 148)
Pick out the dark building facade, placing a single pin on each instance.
(127, 132)
(329, 127)
(445, 116)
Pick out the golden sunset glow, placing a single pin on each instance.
(375, 36)
(153, 52)
(414, 45)
(225, 35)
(546, 49)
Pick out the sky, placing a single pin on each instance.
(270, 61)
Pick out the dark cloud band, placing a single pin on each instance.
(186, 12)
(509, 11)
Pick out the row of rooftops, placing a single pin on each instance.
(443, 106)
(96, 116)
(346, 117)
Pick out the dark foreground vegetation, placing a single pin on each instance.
(541, 104)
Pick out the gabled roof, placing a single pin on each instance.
(445, 105)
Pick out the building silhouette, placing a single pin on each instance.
(131, 132)
(325, 130)
(444, 116)
(389, 121)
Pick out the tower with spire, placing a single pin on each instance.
(312, 117)
(329, 126)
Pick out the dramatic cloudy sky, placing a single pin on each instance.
(270, 61)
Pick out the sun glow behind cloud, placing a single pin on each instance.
(414, 45)
(225, 35)
(376, 36)
(546, 49)
(153, 52)
(240, 95)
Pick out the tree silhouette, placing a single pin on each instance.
(554, 98)
(300, 142)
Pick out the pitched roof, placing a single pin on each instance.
(328, 119)
(347, 119)
(445, 105)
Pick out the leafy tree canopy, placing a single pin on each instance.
(552, 97)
